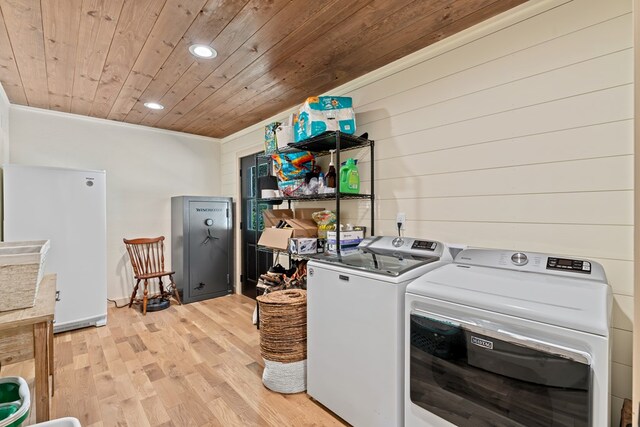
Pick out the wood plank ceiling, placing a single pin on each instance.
(106, 58)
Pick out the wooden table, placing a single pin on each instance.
(28, 333)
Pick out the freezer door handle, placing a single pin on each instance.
(343, 277)
(57, 295)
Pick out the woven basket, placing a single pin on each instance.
(283, 325)
(21, 270)
(285, 377)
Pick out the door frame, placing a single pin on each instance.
(239, 250)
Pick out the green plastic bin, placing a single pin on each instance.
(15, 401)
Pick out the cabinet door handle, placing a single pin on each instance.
(343, 277)
(57, 295)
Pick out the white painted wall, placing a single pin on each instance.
(518, 134)
(4, 127)
(145, 168)
(5, 107)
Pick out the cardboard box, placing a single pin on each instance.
(298, 223)
(303, 246)
(273, 216)
(302, 227)
(276, 238)
(306, 213)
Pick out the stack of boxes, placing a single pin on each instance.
(297, 233)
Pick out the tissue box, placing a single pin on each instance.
(303, 246)
(324, 113)
(349, 241)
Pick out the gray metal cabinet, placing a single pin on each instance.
(202, 246)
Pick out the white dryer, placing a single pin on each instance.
(355, 318)
(508, 339)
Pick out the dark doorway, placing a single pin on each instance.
(253, 261)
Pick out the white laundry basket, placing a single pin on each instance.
(60, 422)
(21, 270)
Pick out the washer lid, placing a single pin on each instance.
(574, 303)
(386, 263)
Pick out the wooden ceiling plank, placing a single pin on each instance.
(9, 75)
(373, 54)
(295, 15)
(324, 25)
(293, 68)
(98, 22)
(136, 21)
(174, 21)
(457, 20)
(247, 22)
(61, 22)
(443, 24)
(23, 19)
(330, 77)
(213, 18)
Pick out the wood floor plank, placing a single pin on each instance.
(200, 366)
(156, 413)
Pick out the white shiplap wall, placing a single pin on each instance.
(517, 134)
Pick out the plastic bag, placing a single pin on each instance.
(292, 188)
(326, 221)
(292, 166)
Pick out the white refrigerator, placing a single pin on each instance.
(67, 207)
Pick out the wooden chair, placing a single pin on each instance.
(147, 260)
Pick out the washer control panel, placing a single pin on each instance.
(424, 245)
(567, 264)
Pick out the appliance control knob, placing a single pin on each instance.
(208, 222)
(519, 258)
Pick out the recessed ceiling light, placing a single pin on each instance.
(203, 51)
(154, 105)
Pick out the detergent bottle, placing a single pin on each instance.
(349, 178)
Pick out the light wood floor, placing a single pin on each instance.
(193, 365)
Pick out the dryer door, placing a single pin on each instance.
(473, 377)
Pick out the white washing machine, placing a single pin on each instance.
(508, 339)
(355, 310)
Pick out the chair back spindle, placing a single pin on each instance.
(147, 255)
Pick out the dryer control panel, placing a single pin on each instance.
(532, 262)
(567, 264)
